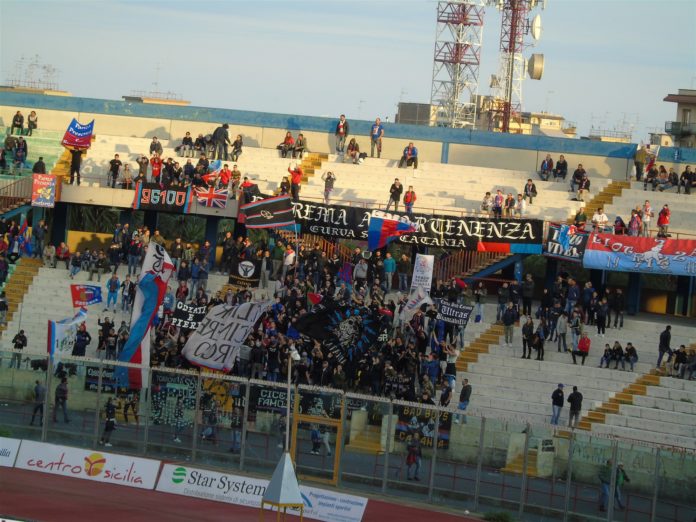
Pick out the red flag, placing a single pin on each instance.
(314, 298)
(386, 311)
(460, 282)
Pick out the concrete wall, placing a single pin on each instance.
(478, 148)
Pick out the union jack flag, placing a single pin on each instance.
(212, 197)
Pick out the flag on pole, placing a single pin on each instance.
(269, 213)
(418, 298)
(384, 229)
(149, 294)
(61, 335)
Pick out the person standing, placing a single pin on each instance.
(557, 399)
(19, 342)
(663, 221)
(395, 192)
(527, 294)
(509, 318)
(413, 457)
(575, 401)
(75, 163)
(464, 398)
(114, 168)
(295, 179)
(376, 135)
(110, 424)
(61, 400)
(389, 270)
(562, 331)
(527, 338)
(113, 285)
(664, 346)
(621, 479)
(647, 215)
(409, 200)
(341, 133)
(221, 139)
(39, 398)
(404, 269)
(328, 178)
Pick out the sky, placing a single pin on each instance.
(609, 64)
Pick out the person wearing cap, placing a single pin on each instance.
(557, 398)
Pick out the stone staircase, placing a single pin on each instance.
(480, 345)
(598, 415)
(311, 162)
(18, 283)
(367, 441)
(604, 197)
(516, 465)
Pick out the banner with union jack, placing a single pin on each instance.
(212, 197)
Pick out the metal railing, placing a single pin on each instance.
(678, 128)
(472, 462)
(15, 192)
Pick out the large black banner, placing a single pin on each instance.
(188, 317)
(432, 230)
(108, 384)
(419, 420)
(565, 242)
(245, 273)
(454, 313)
(151, 196)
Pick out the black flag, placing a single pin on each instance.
(269, 213)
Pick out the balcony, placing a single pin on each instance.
(679, 129)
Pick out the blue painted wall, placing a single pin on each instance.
(317, 124)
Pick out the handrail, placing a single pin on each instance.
(16, 192)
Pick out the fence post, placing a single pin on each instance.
(242, 450)
(656, 486)
(569, 476)
(525, 462)
(433, 460)
(197, 407)
(479, 464)
(148, 406)
(96, 411)
(47, 404)
(612, 484)
(387, 449)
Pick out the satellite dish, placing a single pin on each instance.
(536, 27)
(535, 66)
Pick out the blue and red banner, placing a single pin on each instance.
(43, 190)
(149, 294)
(78, 136)
(385, 228)
(650, 255)
(85, 295)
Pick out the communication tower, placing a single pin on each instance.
(456, 62)
(507, 84)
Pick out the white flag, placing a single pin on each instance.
(418, 298)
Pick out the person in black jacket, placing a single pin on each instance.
(557, 404)
(575, 401)
(395, 192)
(527, 336)
(527, 294)
(39, 167)
(221, 139)
(617, 307)
(664, 347)
(75, 162)
(341, 134)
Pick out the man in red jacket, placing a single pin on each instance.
(156, 163)
(663, 221)
(295, 180)
(583, 348)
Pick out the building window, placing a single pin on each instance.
(686, 116)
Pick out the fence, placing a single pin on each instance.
(356, 442)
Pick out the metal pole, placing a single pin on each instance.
(19, 324)
(431, 482)
(569, 476)
(47, 404)
(656, 486)
(340, 441)
(242, 451)
(612, 484)
(525, 462)
(147, 402)
(96, 410)
(194, 442)
(287, 402)
(479, 464)
(387, 449)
